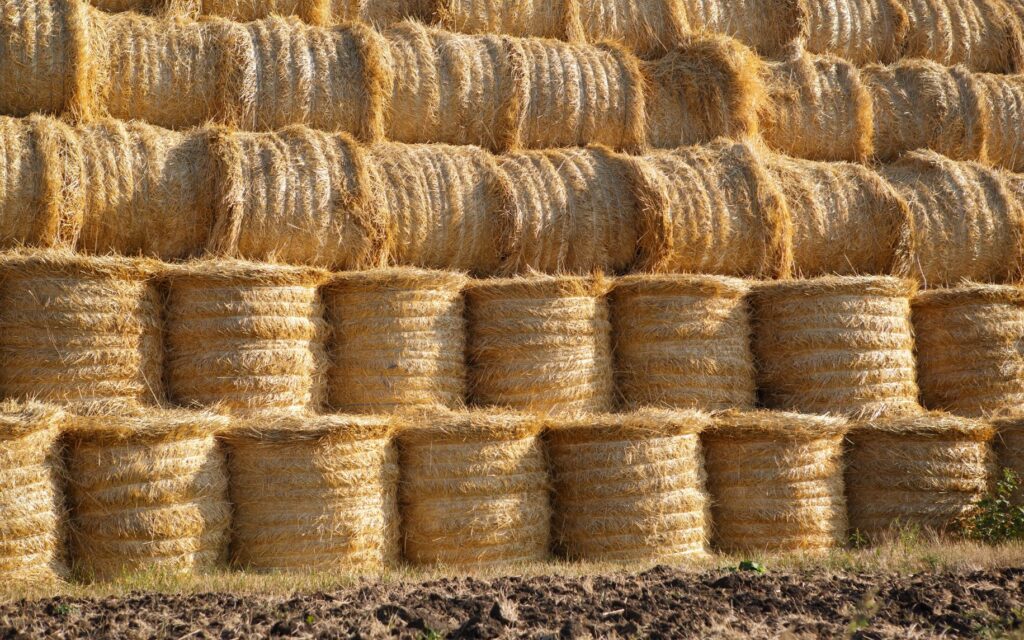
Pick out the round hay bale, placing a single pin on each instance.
(574, 211)
(541, 344)
(25, 217)
(767, 26)
(474, 490)
(776, 481)
(711, 209)
(81, 332)
(318, 12)
(314, 493)
(967, 223)
(1009, 449)
(982, 35)
(1003, 97)
(554, 19)
(399, 340)
(682, 341)
(60, 158)
(648, 27)
(838, 344)
(629, 488)
(245, 336)
(969, 360)
(923, 472)
(147, 492)
(31, 508)
(298, 196)
(860, 31)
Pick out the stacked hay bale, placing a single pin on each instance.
(768, 26)
(474, 490)
(983, 35)
(860, 31)
(314, 493)
(776, 481)
(147, 492)
(245, 336)
(682, 341)
(1009, 449)
(922, 472)
(398, 340)
(540, 344)
(1003, 98)
(629, 487)
(30, 214)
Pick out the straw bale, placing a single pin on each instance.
(649, 27)
(444, 204)
(80, 332)
(766, 26)
(837, 344)
(575, 211)
(983, 35)
(298, 196)
(31, 509)
(776, 481)
(682, 341)
(969, 357)
(474, 490)
(541, 344)
(1003, 97)
(147, 492)
(860, 31)
(1009, 448)
(318, 12)
(25, 217)
(63, 201)
(967, 222)
(925, 472)
(314, 493)
(245, 336)
(629, 487)
(399, 340)
(712, 209)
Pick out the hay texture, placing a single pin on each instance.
(147, 493)
(540, 344)
(474, 490)
(983, 35)
(31, 508)
(245, 336)
(629, 487)
(398, 340)
(969, 357)
(839, 345)
(967, 223)
(682, 341)
(1003, 97)
(776, 481)
(1009, 448)
(314, 493)
(80, 332)
(767, 26)
(925, 472)
(28, 215)
(860, 31)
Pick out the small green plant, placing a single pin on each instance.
(858, 540)
(996, 518)
(751, 565)
(310, 618)
(430, 634)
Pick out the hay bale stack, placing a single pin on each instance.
(31, 507)
(711, 209)
(768, 27)
(682, 341)
(474, 490)
(838, 344)
(969, 359)
(1009, 449)
(574, 211)
(924, 472)
(540, 344)
(298, 196)
(399, 340)
(860, 31)
(26, 215)
(1003, 97)
(982, 35)
(80, 332)
(147, 492)
(245, 336)
(629, 487)
(776, 481)
(314, 493)
(968, 225)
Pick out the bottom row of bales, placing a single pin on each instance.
(98, 497)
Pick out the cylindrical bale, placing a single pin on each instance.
(1009, 450)
(147, 493)
(838, 345)
(925, 472)
(983, 35)
(445, 205)
(398, 340)
(31, 500)
(314, 493)
(766, 25)
(969, 360)
(473, 491)
(574, 211)
(682, 341)
(711, 209)
(298, 196)
(1003, 97)
(27, 216)
(649, 27)
(776, 481)
(967, 223)
(629, 487)
(244, 336)
(860, 31)
(540, 344)
(80, 332)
